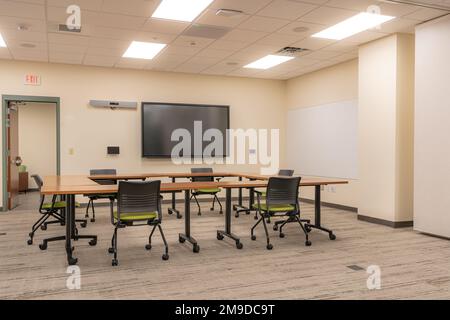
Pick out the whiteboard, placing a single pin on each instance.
(323, 140)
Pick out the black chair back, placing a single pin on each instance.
(203, 178)
(283, 190)
(103, 172)
(38, 181)
(139, 196)
(286, 173)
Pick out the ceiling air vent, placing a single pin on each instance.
(292, 51)
(203, 31)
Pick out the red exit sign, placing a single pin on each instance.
(32, 80)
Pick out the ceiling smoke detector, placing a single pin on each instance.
(229, 13)
(291, 51)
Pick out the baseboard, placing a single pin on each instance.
(392, 224)
(332, 205)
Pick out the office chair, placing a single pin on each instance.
(138, 204)
(48, 210)
(281, 200)
(93, 197)
(210, 191)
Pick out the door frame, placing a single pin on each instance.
(5, 101)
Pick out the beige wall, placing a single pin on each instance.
(386, 69)
(255, 103)
(432, 129)
(37, 139)
(333, 84)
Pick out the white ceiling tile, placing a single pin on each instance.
(254, 52)
(112, 52)
(66, 48)
(313, 43)
(358, 5)
(131, 63)
(281, 40)
(5, 54)
(221, 69)
(14, 34)
(425, 14)
(94, 5)
(323, 55)
(191, 68)
(243, 72)
(365, 36)
(341, 46)
(294, 29)
(70, 39)
(396, 10)
(166, 58)
(144, 8)
(214, 53)
(182, 50)
(317, 2)
(197, 42)
(228, 45)
(65, 57)
(59, 15)
(286, 9)
(209, 17)
(263, 24)
(22, 10)
(119, 21)
(247, 6)
(204, 60)
(153, 37)
(165, 26)
(112, 33)
(32, 24)
(397, 25)
(109, 43)
(100, 61)
(327, 16)
(244, 35)
(29, 54)
(18, 44)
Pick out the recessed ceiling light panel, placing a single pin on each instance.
(2, 42)
(143, 50)
(181, 10)
(268, 62)
(356, 24)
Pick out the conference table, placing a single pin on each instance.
(68, 186)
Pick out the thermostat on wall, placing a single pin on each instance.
(113, 150)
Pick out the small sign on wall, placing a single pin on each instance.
(32, 80)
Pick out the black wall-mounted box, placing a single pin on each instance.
(113, 150)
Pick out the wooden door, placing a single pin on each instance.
(14, 160)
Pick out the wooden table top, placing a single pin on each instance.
(140, 176)
(61, 185)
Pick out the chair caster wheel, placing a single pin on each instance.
(62, 224)
(269, 247)
(86, 216)
(236, 215)
(332, 236)
(30, 242)
(43, 227)
(115, 263)
(43, 246)
(219, 236)
(220, 212)
(253, 238)
(110, 250)
(180, 216)
(239, 245)
(165, 257)
(181, 240)
(93, 242)
(83, 224)
(196, 248)
(308, 243)
(308, 229)
(199, 213)
(282, 235)
(92, 220)
(211, 209)
(148, 247)
(275, 227)
(72, 261)
(256, 218)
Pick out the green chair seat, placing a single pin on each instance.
(136, 216)
(275, 207)
(58, 205)
(210, 190)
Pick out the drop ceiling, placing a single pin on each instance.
(211, 44)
